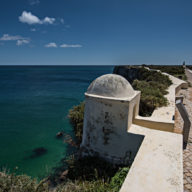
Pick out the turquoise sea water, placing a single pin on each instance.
(34, 103)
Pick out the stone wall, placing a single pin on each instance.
(105, 129)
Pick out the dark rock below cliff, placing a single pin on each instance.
(128, 72)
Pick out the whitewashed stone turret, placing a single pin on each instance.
(110, 106)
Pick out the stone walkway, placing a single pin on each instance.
(187, 153)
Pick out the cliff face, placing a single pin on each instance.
(129, 73)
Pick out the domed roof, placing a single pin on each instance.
(111, 85)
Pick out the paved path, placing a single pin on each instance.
(187, 153)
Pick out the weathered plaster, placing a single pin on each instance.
(158, 165)
(111, 85)
(108, 116)
(105, 127)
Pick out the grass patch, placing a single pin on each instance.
(175, 70)
(21, 183)
(76, 115)
(151, 96)
(153, 86)
(92, 174)
(89, 174)
(189, 67)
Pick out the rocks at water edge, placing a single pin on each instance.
(59, 134)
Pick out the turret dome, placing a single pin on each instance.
(111, 85)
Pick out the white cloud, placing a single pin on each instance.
(19, 39)
(7, 37)
(48, 20)
(29, 18)
(51, 45)
(22, 42)
(54, 45)
(70, 46)
(34, 2)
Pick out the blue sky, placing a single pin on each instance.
(95, 32)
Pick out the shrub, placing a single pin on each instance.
(153, 76)
(118, 179)
(92, 174)
(189, 66)
(76, 115)
(98, 185)
(175, 70)
(91, 168)
(84, 186)
(20, 183)
(151, 96)
(153, 86)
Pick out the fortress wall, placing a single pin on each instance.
(158, 165)
(163, 118)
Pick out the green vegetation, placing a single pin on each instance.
(76, 115)
(151, 97)
(118, 179)
(89, 174)
(20, 183)
(95, 186)
(92, 174)
(153, 86)
(91, 168)
(83, 186)
(94, 171)
(175, 70)
(189, 67)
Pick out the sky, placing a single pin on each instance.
(95, 32)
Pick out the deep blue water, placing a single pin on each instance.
(34, 103)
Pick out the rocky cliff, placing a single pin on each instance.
(129, 72)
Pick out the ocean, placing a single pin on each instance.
(34, 103)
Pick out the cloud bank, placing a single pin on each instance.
(54, 45)
(22, 42)
(70, 46)
(51, 45)
(7, 37)
(19, 39)
(29, 18)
